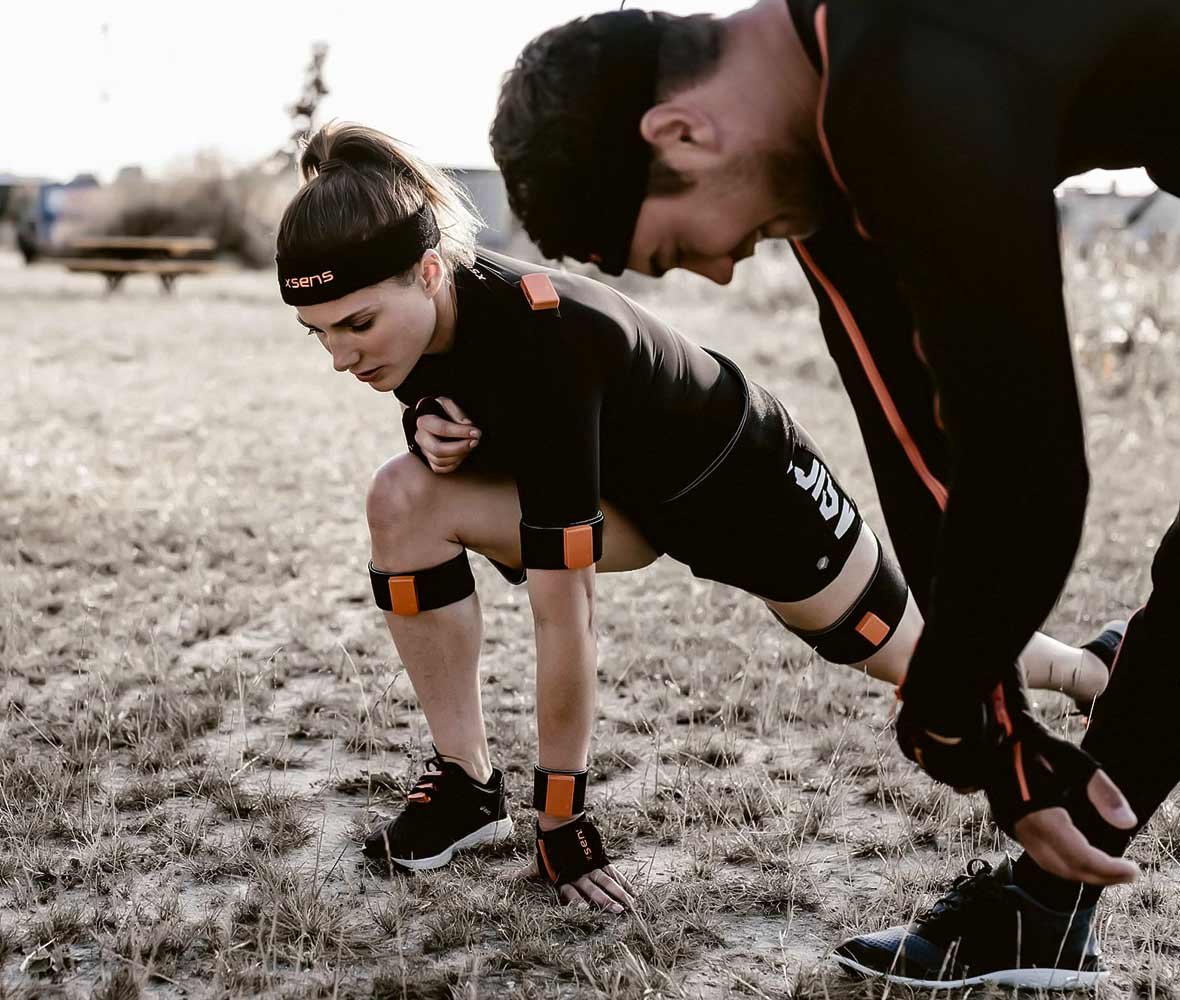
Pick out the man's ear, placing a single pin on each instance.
(681, 135)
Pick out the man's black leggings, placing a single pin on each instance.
(1133, 732)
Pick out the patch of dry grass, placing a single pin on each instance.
(203, 713)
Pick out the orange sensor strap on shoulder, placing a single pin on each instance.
(539, 292)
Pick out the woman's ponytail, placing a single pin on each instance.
(357, 181)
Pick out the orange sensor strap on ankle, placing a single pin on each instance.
(559, 793)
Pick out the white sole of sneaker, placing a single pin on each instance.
(490, 833)
(1057, 979)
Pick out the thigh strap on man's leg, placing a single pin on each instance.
(423, 589)
(868, 624)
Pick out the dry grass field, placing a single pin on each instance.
(202, 712)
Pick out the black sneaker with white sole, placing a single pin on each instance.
(446, 811)
(984, 930)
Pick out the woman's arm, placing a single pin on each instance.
(567, 669)
(567, 666)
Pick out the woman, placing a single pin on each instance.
(567, 382)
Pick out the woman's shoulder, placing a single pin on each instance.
(573, 290)
(570, 305)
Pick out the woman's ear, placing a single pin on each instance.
(681, 135)
(433, 274)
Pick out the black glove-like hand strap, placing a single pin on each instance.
(997, 745)
(570, 851)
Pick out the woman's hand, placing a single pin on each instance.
(445, 443)
(604, 888)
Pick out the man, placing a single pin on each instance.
(909, 149)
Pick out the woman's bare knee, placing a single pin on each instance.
(398, 494)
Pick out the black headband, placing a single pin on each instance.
(308, 281)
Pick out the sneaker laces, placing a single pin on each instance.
(977, 883)
(422, 792)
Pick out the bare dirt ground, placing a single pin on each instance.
(202, 712)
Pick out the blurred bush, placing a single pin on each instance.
(1123, 302)
(238, 209)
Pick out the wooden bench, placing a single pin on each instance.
(115, 257)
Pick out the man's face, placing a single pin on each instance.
(729, 207)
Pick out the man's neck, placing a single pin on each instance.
(762, 45)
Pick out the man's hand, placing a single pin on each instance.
(1058, 846)
(1030, 776)
(446, 442)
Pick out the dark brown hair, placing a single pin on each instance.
(536, 120)
(357, 181)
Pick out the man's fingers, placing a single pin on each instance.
(1060, 849)
(453, 410)
(1111, 804)
(446, 429)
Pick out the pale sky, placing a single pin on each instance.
(94, 86)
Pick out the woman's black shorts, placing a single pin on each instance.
(766, 516)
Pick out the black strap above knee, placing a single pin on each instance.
(574, 546)
(559, 793)
(423, 589)
(569, 852)
(869, 623)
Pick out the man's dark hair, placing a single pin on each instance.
(689, 53)
(566, 132)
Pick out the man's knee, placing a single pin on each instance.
(399, 494)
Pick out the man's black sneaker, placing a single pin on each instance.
(446, 811)
(984, 930)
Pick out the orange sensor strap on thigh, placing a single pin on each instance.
(572, 546)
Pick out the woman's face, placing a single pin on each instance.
(378, 333)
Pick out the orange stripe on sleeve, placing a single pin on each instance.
(909, 446)
(821, 36)
(1018, 760)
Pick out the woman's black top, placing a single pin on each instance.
(595, 398)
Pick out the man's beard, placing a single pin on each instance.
(800, 186)
(795, 184)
